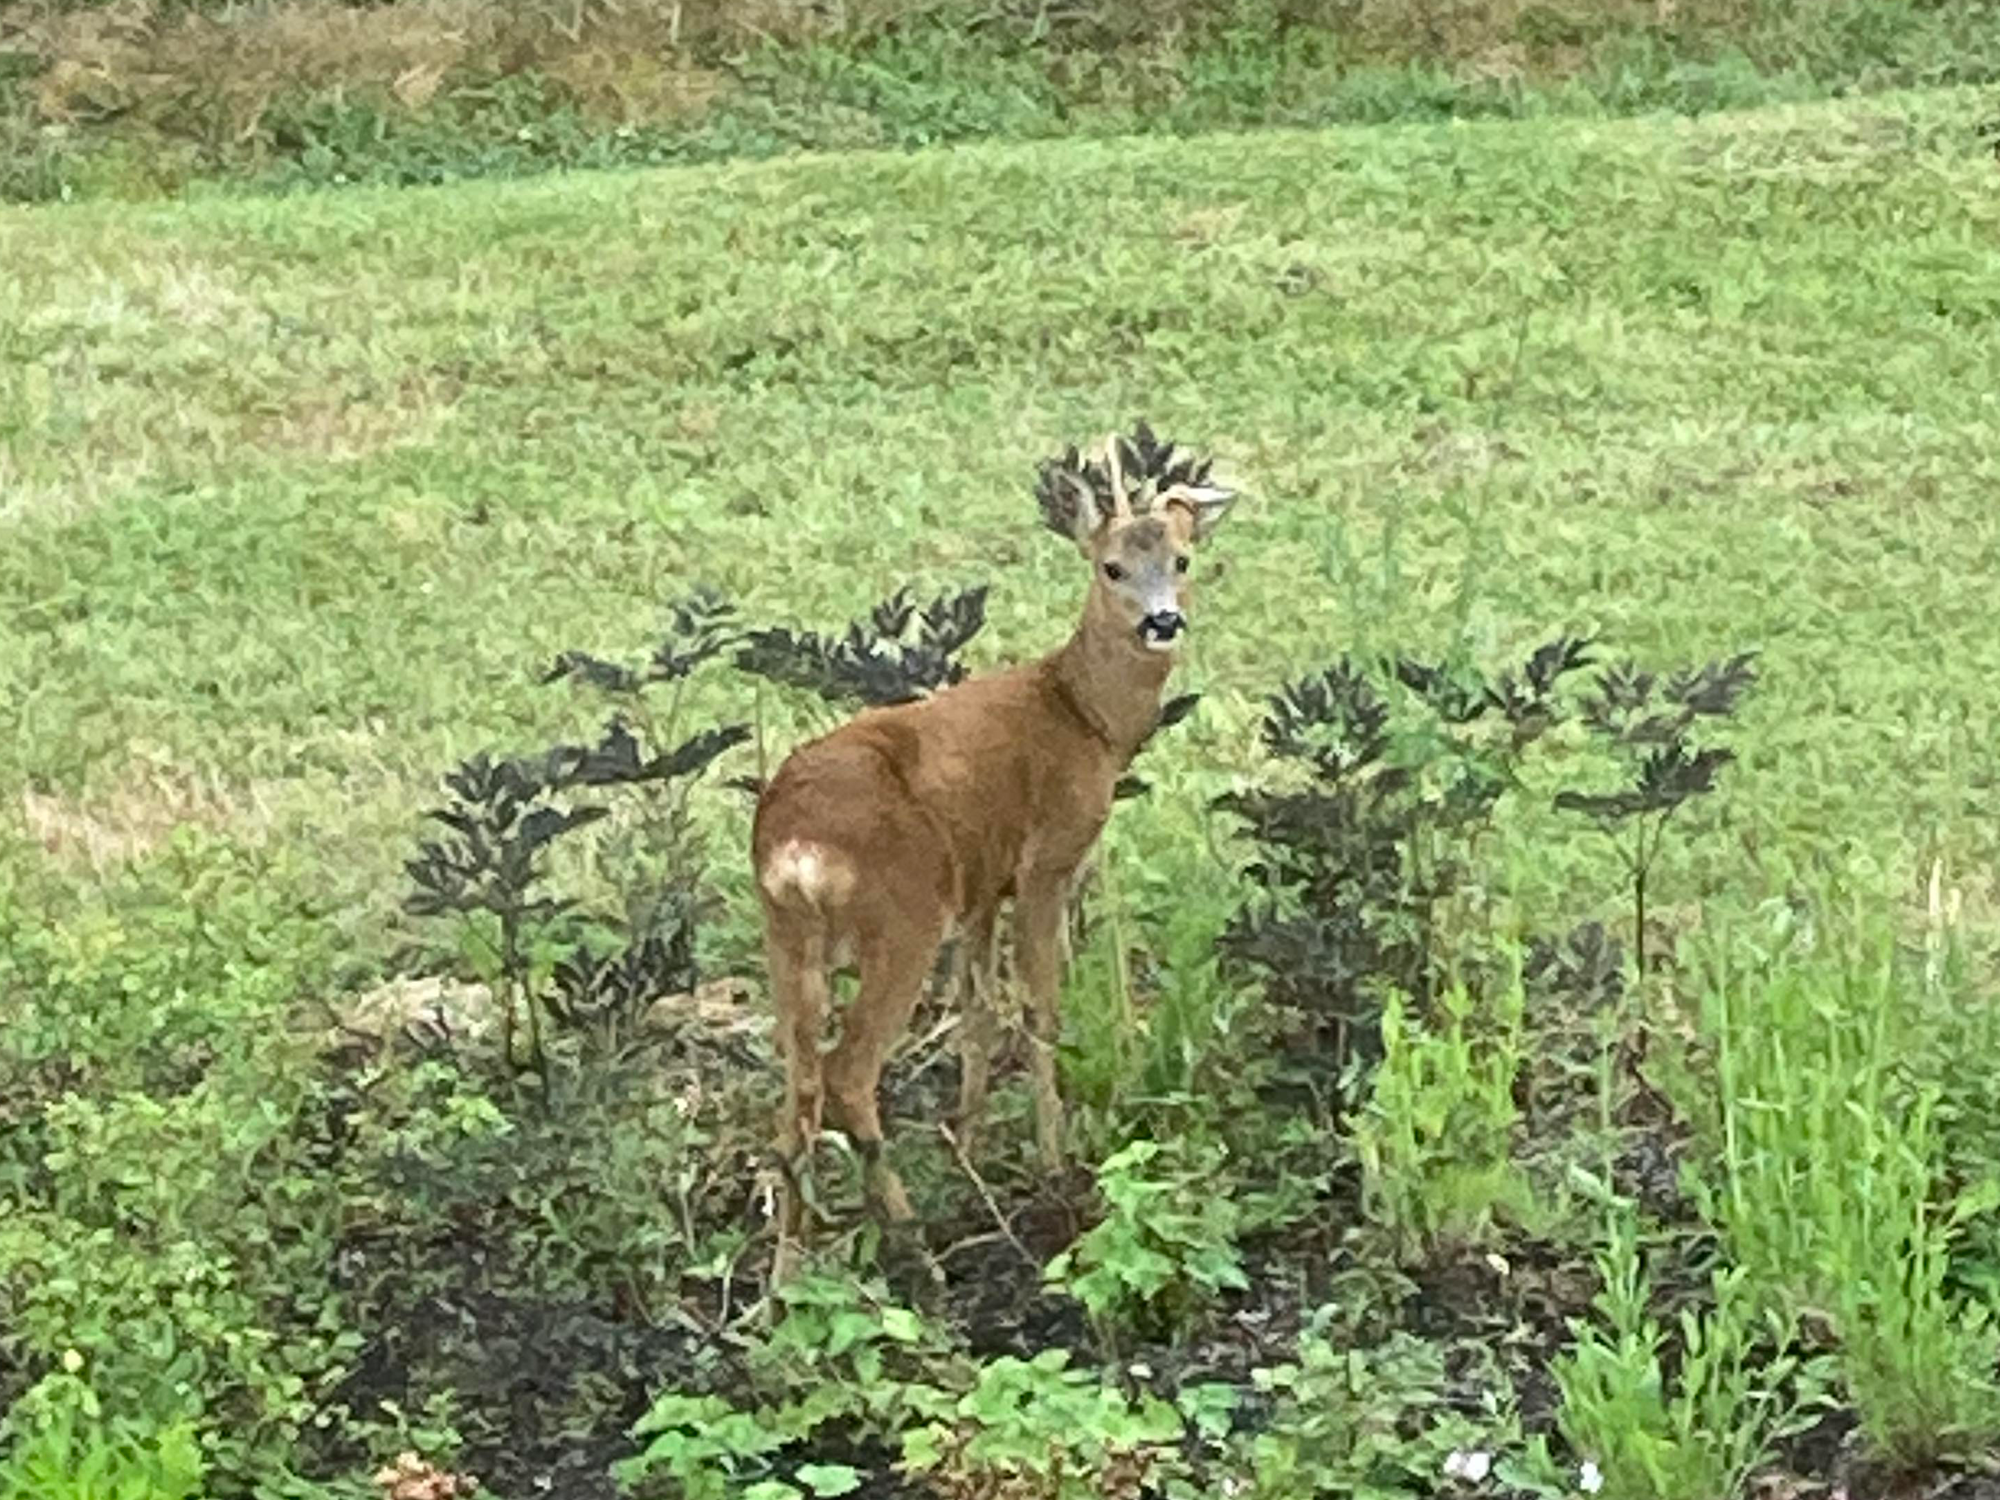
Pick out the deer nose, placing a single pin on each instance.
(1162, 625)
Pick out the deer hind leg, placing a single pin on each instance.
(894, 966)
(1040, 906)
(979, 1021)
(795, 950)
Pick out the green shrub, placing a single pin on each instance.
(844, 1362)
(1436, 1137)
(1166, 1246)
(1037, 1427)
(170, 1221)
(1359, 1421)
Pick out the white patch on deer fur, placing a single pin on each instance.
(803, 869)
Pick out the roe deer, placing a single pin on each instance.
(875, 842)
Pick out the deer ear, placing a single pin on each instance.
(1206, 504)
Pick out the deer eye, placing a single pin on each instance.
(1181, 563)
(1113, 572)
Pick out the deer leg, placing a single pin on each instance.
(979, 1022)
(893, 971)
(1073, 898)
(1039, 908)
(795, 952)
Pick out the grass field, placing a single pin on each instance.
(298, 495)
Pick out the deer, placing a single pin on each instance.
(906, 826)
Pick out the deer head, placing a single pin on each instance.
(1137, 514)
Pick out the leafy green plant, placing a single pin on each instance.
(1039, 1429)
(167, 1220)
(1435, 1139)
(842, 1363)
(1166, 1246)
(1826, 1187)
(60, 1444)
(846, 1372)
(875, 661)
(854, 1351)
(1371, 1421)
(708, 1448)
(652, 847)
(1739, 1388)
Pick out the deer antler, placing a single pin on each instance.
(1136, 475)
(1114, 472)
(1062, 484)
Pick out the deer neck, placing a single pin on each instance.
(1110, 682)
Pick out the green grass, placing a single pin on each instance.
(296, 495)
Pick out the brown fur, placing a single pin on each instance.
(876, 842)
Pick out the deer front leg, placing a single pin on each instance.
(1039, 908)
(979, 1022)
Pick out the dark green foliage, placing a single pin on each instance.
(872, 663)
(1645, 719)
(505, 815)
(703, 627)
(1356, 866)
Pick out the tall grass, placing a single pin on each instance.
(149, 96)
(1700, 1432)
(1827, 1188)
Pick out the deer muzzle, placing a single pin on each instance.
(1159, 630)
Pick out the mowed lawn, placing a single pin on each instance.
(296, 494)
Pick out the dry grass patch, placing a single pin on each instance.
(60, 499)
(215, 76)
(340, 428)
(151, 798)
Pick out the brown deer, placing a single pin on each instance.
(876, 842)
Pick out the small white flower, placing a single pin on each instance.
(1590, 1478)
(1471, 1467)
(72, 1361)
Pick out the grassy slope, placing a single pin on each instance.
(294, 495)
(150, 97)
